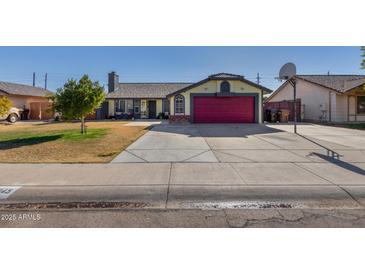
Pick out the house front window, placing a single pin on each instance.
(120, 106)
(137, 106)
(179, 104)
(361, 104)
(129, 106)
(225, 87)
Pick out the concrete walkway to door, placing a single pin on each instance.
(246, 143)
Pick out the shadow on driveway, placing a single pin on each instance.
(334, 158)
(340, 163)
(216, 130)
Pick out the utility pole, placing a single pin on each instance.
(45, 80)
(258, 78)
(33, 79)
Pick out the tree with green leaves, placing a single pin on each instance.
(77, 99)
(5, 105)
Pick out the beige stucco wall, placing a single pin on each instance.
(213, 86)
(172, 106)
(158, 106)
(22, 102)
(111, 108)
(312, 97)
(340, 112)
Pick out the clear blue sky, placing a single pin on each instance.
(170, 64)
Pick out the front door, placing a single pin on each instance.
(152, 109)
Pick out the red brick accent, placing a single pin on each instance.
(174, 119)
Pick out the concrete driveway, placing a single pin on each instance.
(231, 143)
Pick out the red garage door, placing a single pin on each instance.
(235, 109)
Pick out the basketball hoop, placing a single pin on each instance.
(287, 73)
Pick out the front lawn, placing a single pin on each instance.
(63, 143)
(355, 126)
(360, 126)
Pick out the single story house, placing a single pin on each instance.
(32, 101)
(326, 98)
(220, 98)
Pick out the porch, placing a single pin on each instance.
(138, 108)
(356, 105)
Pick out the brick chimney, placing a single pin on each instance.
(113, 81)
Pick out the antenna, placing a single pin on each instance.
(45, 80)
(287, 71)
(33, 79)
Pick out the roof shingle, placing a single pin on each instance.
(24, 90)
(146, 90)
(340, 83)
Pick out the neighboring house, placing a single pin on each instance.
(326, 98)
(32, 101)
(220, 98)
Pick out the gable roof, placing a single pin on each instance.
(353, 84)
(338, 83)
(24, 90)
(162, 90)
(222, 76)
(145, 90)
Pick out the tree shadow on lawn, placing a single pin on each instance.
(28, 141)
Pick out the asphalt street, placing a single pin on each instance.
(223, 218)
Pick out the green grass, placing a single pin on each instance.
(360, 126)
(92, 133)
(24, 137)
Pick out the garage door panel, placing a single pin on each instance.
(237, 109)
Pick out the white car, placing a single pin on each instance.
(12, 116)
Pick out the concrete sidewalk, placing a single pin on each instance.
(190, 185)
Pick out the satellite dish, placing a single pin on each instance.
(287, 71)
